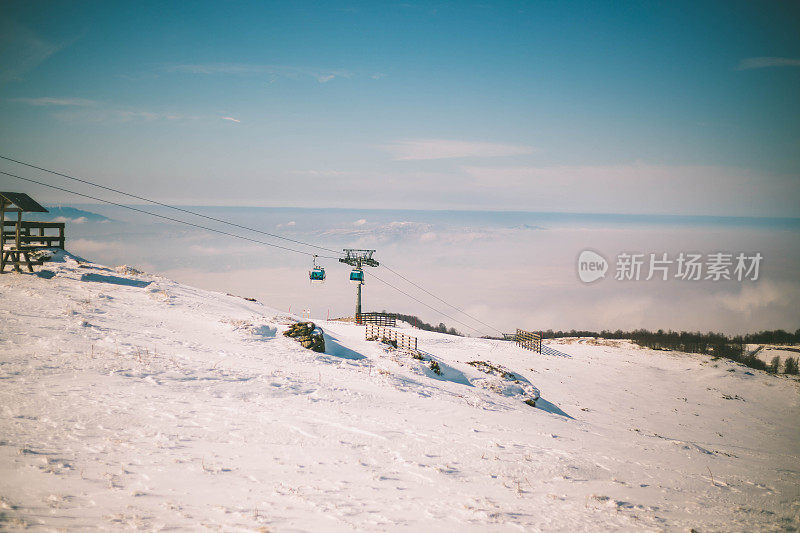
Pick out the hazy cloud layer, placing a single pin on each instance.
(364, 232)
(639, 187)
(490, 264)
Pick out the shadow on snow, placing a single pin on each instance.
(114, 280)
(552, 408)
(334, 348)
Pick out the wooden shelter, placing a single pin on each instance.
(19, 238)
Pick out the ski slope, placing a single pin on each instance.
(131, 402)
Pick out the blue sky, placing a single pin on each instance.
(674, 107)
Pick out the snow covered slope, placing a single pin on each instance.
(130, 401)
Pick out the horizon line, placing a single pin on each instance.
(444, 210)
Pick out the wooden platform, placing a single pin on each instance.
(32, 237)
(19, 238)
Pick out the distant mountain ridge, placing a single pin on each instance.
(68, 214)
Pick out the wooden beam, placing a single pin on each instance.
(19, 227)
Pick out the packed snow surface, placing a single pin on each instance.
(128, 401)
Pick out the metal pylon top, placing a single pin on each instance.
(358, 258)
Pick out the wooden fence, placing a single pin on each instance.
(529, 340)
(33, 235)
(375, 332)
(380, 319)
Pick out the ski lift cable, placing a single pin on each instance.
(221, 233)
(131, 208)
(165, 217)
(440, 299)
(155, 202)
(87, 182)
(423, 303)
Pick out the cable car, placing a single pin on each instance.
(317, 273)
(357, 276)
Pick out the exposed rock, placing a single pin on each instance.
(308, 335)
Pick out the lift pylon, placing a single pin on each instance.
(358, 259)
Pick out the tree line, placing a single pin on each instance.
(421, 324)
(711, 343)
(776, 336)
(716, 344)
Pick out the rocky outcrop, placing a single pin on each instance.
(308, 335)
(505, 382)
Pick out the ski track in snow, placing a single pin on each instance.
(128, 401)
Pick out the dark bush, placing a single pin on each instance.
(753, 362)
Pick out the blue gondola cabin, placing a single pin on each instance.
(317, 274)
(357, 276)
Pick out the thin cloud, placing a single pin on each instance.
(231, 119)
(767, 62)
(92, 111)
(48, 101)
(422, 149)
(21, 50)
(98, 115)
(217, 68)
(320, 173)
(249, 69)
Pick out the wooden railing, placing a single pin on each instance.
(32, 235)
(529, 340)
(381, 319)
(381, 333)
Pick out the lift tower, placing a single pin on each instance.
(358, 259)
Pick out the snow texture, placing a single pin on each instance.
(128, 401)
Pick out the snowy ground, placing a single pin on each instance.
(130, 401)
